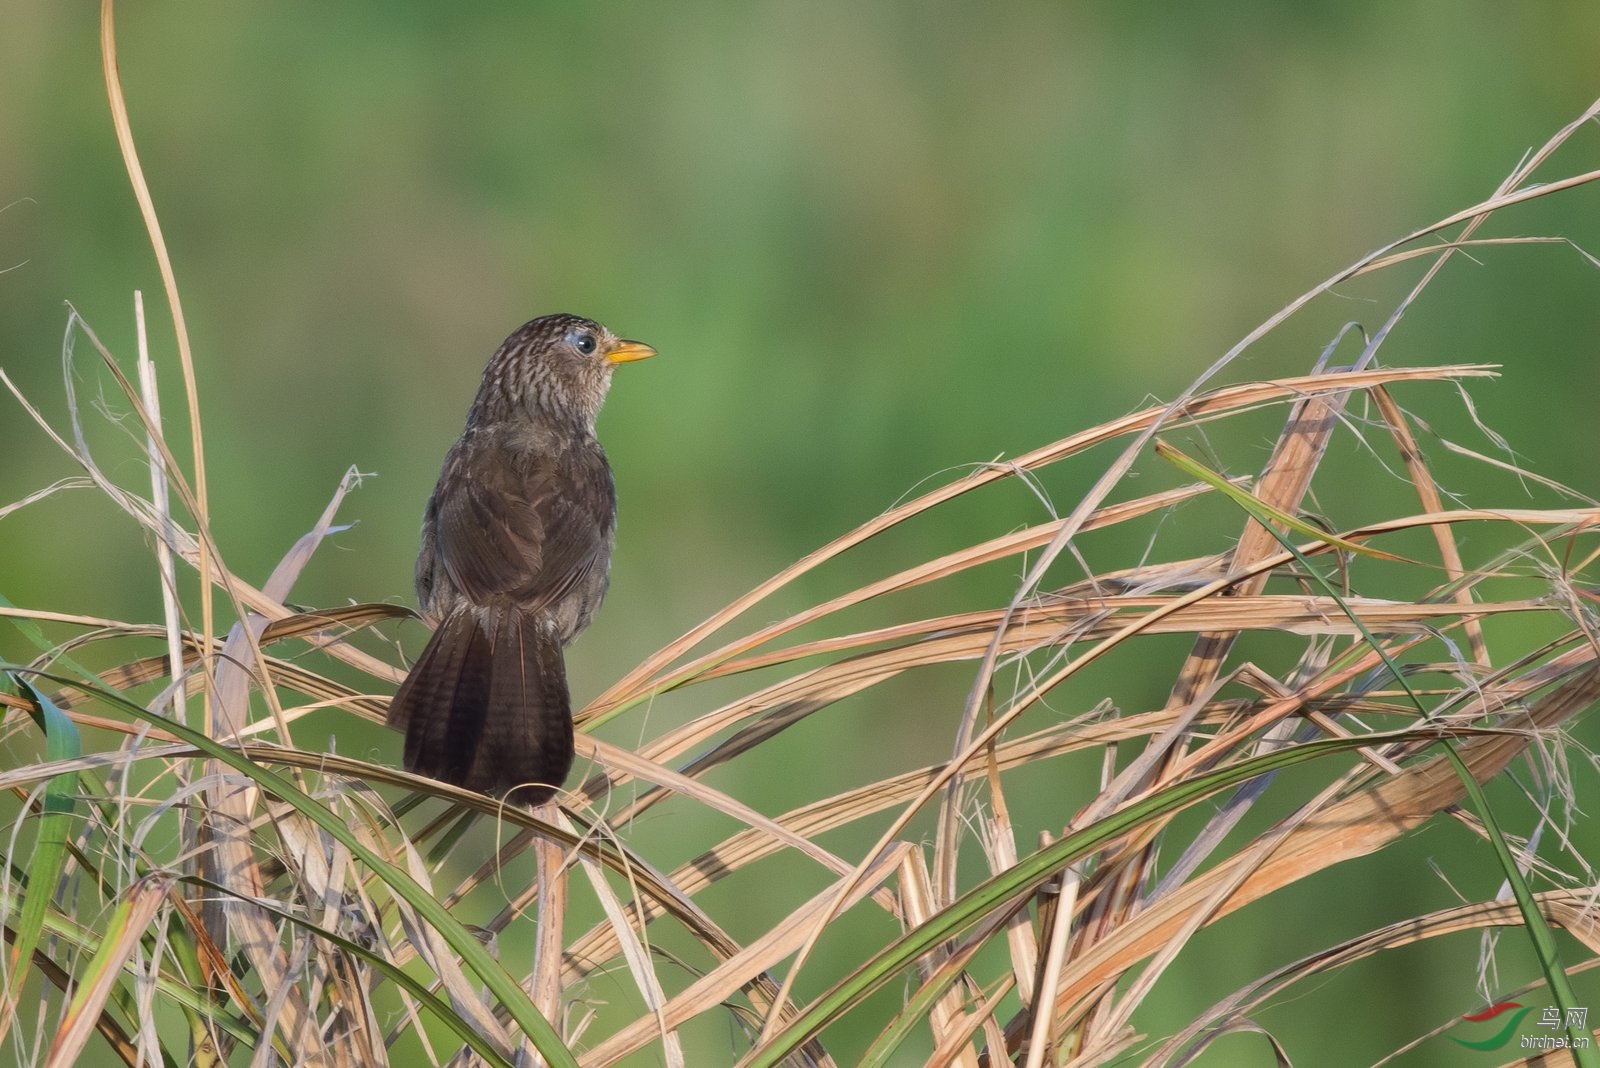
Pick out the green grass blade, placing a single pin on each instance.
(1533, 921)
(1022, 878)
(394, 973)
(50, 851)
(502, 986)
(1263, 512)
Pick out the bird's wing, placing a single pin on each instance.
(523, 528)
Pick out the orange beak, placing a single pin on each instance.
(628, 351)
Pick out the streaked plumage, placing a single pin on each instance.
(515, 560)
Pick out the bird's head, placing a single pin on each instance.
(555, 368)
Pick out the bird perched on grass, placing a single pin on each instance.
(515, 559)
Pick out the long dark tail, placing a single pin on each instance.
(486, 706)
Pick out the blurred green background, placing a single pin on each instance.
(872, 243)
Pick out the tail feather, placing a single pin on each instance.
(486, 707)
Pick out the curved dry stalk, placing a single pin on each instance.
(1353, 826)
(1572, 910)
(645, 681)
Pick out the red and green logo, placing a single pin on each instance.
(1501, 1037)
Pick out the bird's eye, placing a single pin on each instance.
(584, 342)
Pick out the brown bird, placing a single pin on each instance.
(515, 559)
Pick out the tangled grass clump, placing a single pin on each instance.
(193, 879)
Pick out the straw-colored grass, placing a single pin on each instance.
(189, 883)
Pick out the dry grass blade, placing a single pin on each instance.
(132, 916)
(639, 683)
(169, 282)
(636, 952)
(1571, 909)
(1354, 826)
(1282, 486)
(712, 989)
(944, 1018)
